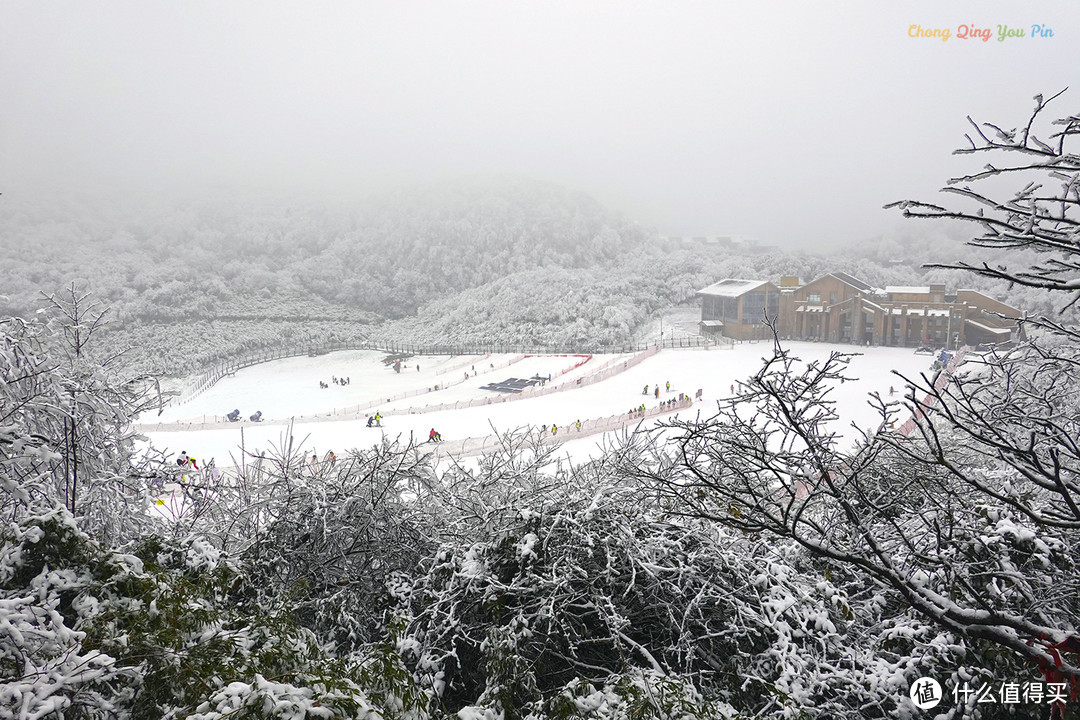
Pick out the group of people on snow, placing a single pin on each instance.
(555, 428)
(186, 463)
(656, 391)
(329, 460)
(336, 380)
(185, 460)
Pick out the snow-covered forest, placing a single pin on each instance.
(497, 262)
(745, 564)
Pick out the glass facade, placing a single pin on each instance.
(743, 314)
(754, 306)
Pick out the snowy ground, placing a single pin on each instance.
(289, 388)
(675, 322)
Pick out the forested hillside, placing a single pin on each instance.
(385, 255)
(508, 261)
(188, 283)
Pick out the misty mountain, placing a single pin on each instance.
(386, 256)
(506, 260)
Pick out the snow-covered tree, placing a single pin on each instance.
(1040, 217)
(65, 415)
(968, 514)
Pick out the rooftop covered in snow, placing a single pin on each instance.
(732, 287)
(853, 282)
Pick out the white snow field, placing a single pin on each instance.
(326, 420)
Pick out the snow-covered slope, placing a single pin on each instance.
(326, 419)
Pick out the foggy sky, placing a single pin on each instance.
(788, 122)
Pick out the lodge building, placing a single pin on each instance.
(737, 308)
(839, 308)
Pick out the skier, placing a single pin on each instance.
(431, 435)
(578, 425)
(182, 461)
(370, 420)
(657, 392)
(378, 419)
(732, 389)
(554, 429)
(192, 463)
(645, 391)
(892, 391)
(667, 386)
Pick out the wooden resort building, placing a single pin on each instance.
(839, 308)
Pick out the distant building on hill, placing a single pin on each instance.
(840, 308)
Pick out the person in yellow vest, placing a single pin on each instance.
(554, 429)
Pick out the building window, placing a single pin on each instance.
(774, 305)
(813, 297)
(753, 307)
(832, 298)
(731, 309)
(708, 308)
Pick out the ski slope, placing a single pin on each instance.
(324, 420)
